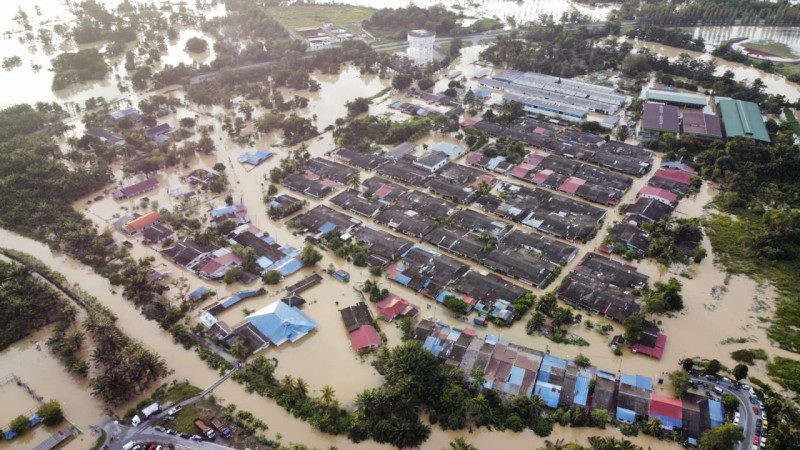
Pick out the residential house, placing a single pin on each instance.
(136, 189)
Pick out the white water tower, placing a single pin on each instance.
(420, 46)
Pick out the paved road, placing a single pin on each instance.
(747, 418)
(146, 434)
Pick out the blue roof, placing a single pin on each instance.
(237, 298)
(717, 413)
(402, 279)
(197, 293)
(630, 380)
(670, 422)
(626, 414)
(255, 158)
(644, 382)
(222, 210)
(515, 376)
(581, 392)
(280, 322)
(9, 435)
(327, 227)
(550, 393)
(433, 345)
(451, 150)
(35, 420)
(160, 138)
(550, 361)
(605, 374)
(291, 266)
(691, 441)
(125, 112)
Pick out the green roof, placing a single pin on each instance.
(676, 97)
(742, 119)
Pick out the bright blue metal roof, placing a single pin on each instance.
(291, 266)
(581, 391)
(515, 376)
(433, 345)
(550, 361)
(550, 393)
(280, 322)
(327, 227)
(630, 380)
(644, 382)
(626, 415)
(605, 374)
(402, 279)
(33, 421)
(237, 298)
(717, 413)
(670, 422)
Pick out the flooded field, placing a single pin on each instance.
(715, 36)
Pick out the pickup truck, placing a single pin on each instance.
(204, 429)
(223, 430)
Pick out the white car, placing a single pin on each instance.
(736, 420)
(763, 415)
(174, 410)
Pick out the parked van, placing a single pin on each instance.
(718, 390)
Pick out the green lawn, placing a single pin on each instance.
(776, 48)
(184, 420)
(180, 392)
(301, 16)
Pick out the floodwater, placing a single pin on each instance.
(522, 11)
(775, 84)
(714, 36)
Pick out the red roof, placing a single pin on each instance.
(470, 122)
(521, 170)
(141, 186)
(391, 306)
(365, 337)
(666, 406)
(534, 159)
(383, 191)
(655, 352)
(490, 180)
(220, 261)
(542, 176)
(674, 175)
(661, 193)
(142, 222)
(571, 185)
(474, 158)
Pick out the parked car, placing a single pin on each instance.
(755, 409)
(764, 415)
(175, 410)
(160, 428)
(196, 437)
(169, 418)
(173, 432)
(184, 435)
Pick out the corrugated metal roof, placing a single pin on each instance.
(675, 97)
(742, 119)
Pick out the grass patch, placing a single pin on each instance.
(790, 117)
(776, 48)
(728, 237)
(184, 420)
(180, 392)
(100, 440)
(749, 356)
(380, 94)
(785, 372)
(301, 16)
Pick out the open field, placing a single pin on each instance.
(776, 48)
(300, 16)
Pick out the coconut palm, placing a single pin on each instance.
(328, 396)
(301, 387)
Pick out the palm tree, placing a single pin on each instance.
(537, 404)
(653, 426)
(355, 181)
(328, 396)
(461, 443)
(301, 387)
(287, 383)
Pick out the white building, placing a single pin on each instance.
(420, 46)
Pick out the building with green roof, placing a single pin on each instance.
(677, 98)
(742, 119)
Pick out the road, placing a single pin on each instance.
(118, 435)
(123, 434)
(747, 418)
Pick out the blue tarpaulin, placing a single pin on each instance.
(9, 435)
(35, 420)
